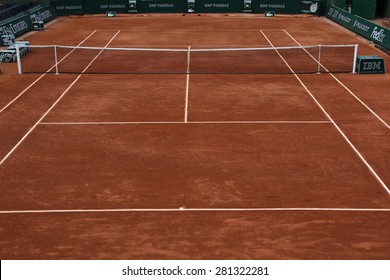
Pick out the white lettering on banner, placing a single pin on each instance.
(344, 18)
(361, 26)
(167, 5)
(112, 6)
(60, 8)
(216, 5)
(275, 6)
(41, 15)
(368, 65)
(6, 30)
(20, 26)
(73, 7)
(45, 14)
(378, 35)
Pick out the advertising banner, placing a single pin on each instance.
(375, 33)
(22, 24)
(162, 6)
(103, 6)
(69, 7)
(219, 6)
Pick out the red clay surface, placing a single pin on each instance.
(284, 160)
(123, 98)
(188, 235)
(195, 166)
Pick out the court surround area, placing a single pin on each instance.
(192, 155)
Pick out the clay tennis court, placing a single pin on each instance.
(193, 166)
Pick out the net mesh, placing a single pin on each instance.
(278, 60)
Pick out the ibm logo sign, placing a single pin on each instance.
(372, 65)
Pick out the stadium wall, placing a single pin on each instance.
(68, 7)
(23, 23)
(373, 32)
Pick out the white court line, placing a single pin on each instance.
(342, 84)
(181, 209)
(43, 75)
(188, 122)
(187, 83)
(333, 122)
(55, 103)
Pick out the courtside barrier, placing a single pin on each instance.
(68, 7)
(373, 32)
(24, 22)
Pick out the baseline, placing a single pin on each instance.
(181, 209)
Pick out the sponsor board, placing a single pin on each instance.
(64, 10)
(68, 7)
(375, 33)
(370, 65)
(161, 6)
(223, 6)
(19, 25)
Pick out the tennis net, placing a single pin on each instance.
(267, 60)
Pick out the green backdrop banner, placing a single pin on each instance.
(219, 6)
(378, 34)
(102, 6)
(23, 23)
(161, 6)
(67, 7)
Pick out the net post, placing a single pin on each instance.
(355, 59)
(319, 60)
(56, 59)
(18, 59)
